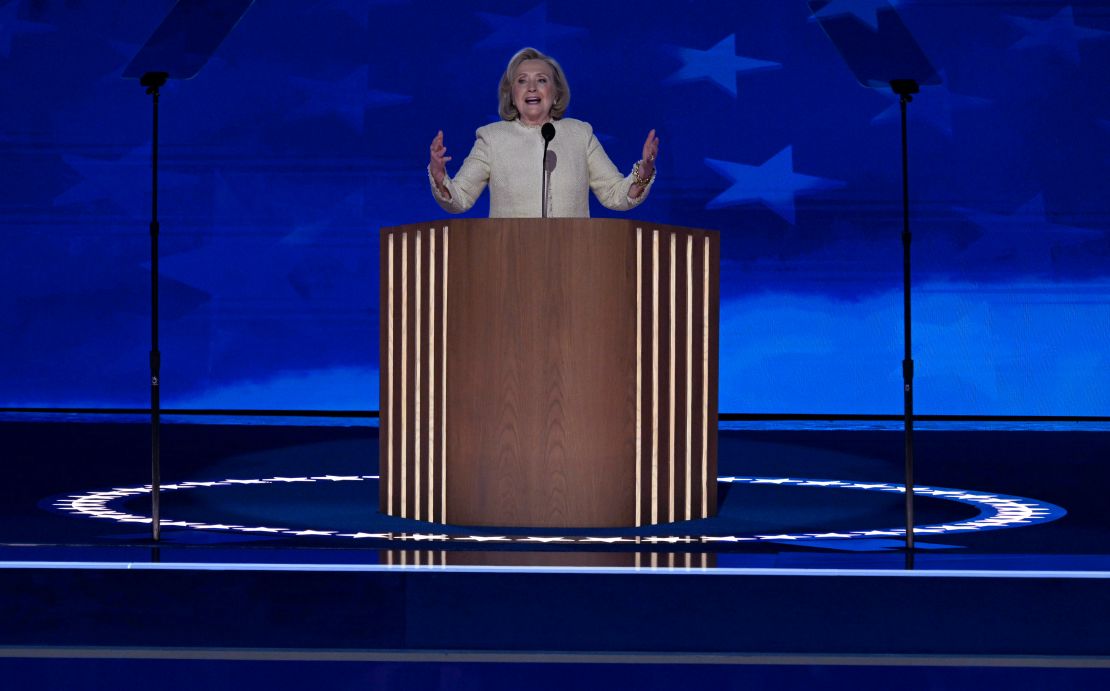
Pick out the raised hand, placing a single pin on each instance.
(439, 158)
(651, 150)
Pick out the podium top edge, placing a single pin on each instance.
(600, 224)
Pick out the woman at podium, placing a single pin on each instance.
(508, 155)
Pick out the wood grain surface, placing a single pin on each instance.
(548, 372)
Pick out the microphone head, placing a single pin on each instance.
(548, 131)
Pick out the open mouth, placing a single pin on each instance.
(532, 101)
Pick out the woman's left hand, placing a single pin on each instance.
(651, 150)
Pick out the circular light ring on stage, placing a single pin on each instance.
(996, 511)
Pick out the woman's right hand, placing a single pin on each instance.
(439, 159)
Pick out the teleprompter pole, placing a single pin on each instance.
(905, 89)
(154, 81)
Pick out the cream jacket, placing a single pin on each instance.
(508, 157)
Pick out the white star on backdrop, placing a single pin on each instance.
(1057, 33)
(720, 65)
(508, 30)
(348, 98)
(773, 182)
(1025, 236)
(124, 181)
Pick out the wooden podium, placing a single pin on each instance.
(549, 372)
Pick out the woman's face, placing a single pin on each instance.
(533, 91)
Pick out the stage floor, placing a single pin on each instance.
(295, 491)
(273, 549)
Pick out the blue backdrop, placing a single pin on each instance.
(310, 128)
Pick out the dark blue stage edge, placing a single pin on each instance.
(521, 612)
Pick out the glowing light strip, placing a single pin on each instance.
(705, 382)
(996, 511)
(654, 376)
(690, 377)
(443, 391)
(431, 372)
(672, 498)
(389, 384)
(418, 341)
(639, 371)
(404, 372)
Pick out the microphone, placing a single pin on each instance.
(548, 133)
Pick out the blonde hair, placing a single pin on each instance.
(506, 108)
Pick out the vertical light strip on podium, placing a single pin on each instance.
(417, 366)
(414, 398)
(639, 375)
(689, 397)
(674, 421)
(670, 385)
(386, 427)
(706, 484)
(431, 374)
(443, 382)
(655, 377)
(404, 400)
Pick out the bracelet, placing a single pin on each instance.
(638, 179)
(440, 189)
